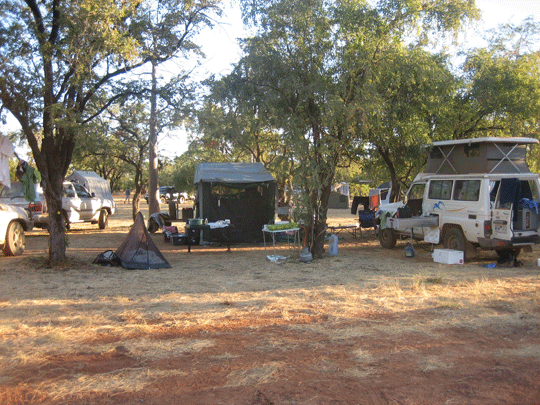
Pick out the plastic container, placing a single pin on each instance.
(409, 250)
(333, 245)
(306, 256)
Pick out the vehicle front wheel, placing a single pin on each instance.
(455, 240)
(103, 219)
(387, 238)
(15, 240)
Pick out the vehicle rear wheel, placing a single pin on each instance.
(15, 240)
(103, 219)
(455, 240)
(387, 238)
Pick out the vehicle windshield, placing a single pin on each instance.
(81, 191)
(416, 192)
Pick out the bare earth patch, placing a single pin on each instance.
(369, 326)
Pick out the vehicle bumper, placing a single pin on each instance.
(514, 242)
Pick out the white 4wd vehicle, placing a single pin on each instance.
(474, 193)
(78, 205)
(14, 221)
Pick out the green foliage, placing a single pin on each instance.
(339, 83)
(501, 95)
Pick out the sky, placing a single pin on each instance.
(222, 50)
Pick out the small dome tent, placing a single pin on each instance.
(244, 193)
(138, 251)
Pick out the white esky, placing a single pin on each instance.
(221, 48)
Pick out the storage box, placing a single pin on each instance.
(179, 239)
(448, 256)
(526, 220)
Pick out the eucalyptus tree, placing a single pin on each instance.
(501, 85)
(96, 150)
(412, 97)
(129, 128)
(235, 121)
(56, 57)
(169, 36)
(319, 62)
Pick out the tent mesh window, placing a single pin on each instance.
(138, 251)
(248, 206)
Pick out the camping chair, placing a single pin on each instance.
(366, 219)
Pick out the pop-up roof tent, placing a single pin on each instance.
(244, 193)
(480, 155)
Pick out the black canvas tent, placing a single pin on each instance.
(138, 251)
(244, 193)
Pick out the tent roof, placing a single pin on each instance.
(520, 141)
(231, 173)
(87, 174)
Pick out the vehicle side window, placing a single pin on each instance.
(467, 190)
(440, 189)
(81, 191)
(68, 192)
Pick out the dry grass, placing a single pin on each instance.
(93, 310)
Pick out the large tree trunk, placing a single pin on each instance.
(139, 190)
(387, 158)
(52, 162)
(319, 224)
(153, 182)
(57, 226)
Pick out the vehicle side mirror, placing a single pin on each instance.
(93, 194)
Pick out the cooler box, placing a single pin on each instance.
(448, 256)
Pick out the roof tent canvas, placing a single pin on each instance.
(93, 182)
(244, 193)
(138, 251)
(480, 155)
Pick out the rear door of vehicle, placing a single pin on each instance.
(502, 211)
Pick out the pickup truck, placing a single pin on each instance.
(79, 205)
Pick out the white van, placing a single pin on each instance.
(474, 193)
